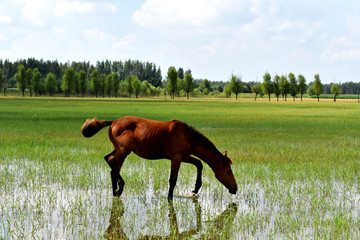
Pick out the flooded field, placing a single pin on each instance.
(297, 183)
(35, 206)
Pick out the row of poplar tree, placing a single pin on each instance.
(100, 84)
(282, 86)
(131, 78)
(8, 69)
(108, 84)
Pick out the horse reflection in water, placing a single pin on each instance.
(219, 225)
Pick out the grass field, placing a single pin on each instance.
(297, 165)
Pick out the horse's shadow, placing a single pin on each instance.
(221, 223)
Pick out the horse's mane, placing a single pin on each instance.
(204, 141)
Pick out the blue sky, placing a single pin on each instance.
(213, 38)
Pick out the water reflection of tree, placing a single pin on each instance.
(219, 227)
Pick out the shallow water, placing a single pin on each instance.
(34, 205)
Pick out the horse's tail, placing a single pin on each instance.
(92, 126)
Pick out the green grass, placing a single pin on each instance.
(297, 165)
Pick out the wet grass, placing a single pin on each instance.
(297, 167)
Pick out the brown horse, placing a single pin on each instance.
(174, 140)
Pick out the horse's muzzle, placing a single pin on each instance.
(233, 189)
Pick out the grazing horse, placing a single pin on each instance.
(174, 140)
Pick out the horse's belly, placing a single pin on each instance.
(150, 153)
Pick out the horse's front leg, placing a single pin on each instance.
(175, 165)
(199, 167)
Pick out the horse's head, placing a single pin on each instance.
(225, 175)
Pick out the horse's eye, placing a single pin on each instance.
(229, 171)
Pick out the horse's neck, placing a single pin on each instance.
(210, 156)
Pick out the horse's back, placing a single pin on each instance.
(149, 138)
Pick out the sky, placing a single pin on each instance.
(212, 38)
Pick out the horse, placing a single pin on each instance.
(150, 139)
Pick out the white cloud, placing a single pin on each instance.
(42, 13)
(334, 55)
(303, 27)
(347, 47)
(37, 13)
(192, 13)
(64, 8)
(4, 19)
(126, 42)
(260, 7)
(104, 40)
(342, 49)
(353, 23)
(95, 36)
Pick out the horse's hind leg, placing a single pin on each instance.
(115, 160)
(114, 178)
(199, 167)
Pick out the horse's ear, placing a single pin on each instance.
(225, 153)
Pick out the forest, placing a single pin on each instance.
(136, 78)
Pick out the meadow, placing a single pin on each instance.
(297, 166)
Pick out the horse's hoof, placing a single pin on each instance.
(193, 196)
(117, 193)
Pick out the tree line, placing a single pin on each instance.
(282, 86)
(135, 78)
(54, 83)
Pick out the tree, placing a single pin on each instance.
(284, 86)
(135, 82)
(276, 86)
(122, 88)
(293, 85)
(157, 79)
(172, 81)
(158, 91)
(181, 73)
(3, 83)
(236, 85)
(335, 90)
(115, 83)
(28, 80)
(227, 90)
(94, 82)
(36, 81)
(108, 84)
(20, 77)
(267, 84)
(82, 82)
(205, 85)
(205, 91)
(128, 86)
(257, 89)
(188, 83)
(302, 85)
(318, 87)
(2, 80)
(310, 91)
(50, 84)
(76, 83)
(179, 86)
(68, 81)
(102, 84)
(146, 88)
